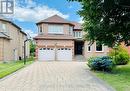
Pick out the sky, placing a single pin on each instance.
(29, 12)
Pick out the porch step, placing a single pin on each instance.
(80, 58)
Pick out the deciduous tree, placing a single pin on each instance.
(106, 21)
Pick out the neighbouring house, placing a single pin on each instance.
(60, 39)
(12, 41)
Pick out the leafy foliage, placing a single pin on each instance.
(32, 48)
(106, 21)
(120, 55)
(101, 63)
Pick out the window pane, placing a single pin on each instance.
(70, 30)
(98, 47)
(58, 29)
(40, 29)
(79, 34)
(4, 27)
(76, 34)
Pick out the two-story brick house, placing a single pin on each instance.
(60, 39)
(11, 41)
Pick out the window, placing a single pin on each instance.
(69, 49)
(3, 27)
(70, 30)
(44, 48)
(48, 48)
(40, 29)
(78, 34)
(40, 49)
(89, 48)
(56, 29)
(62, 48)
(99, 47)
(65, 48)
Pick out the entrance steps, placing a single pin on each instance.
(80, 58)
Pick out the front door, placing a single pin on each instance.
(79, 48)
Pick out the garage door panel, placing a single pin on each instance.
(46, 54)
(64, 54)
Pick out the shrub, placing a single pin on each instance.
(120, 55)
(101, 63)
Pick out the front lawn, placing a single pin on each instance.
(118, 79)
(8, 68)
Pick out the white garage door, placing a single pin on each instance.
(45, 54)
(64, 54)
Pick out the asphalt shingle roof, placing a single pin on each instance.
(58, 19)
(7, 20)
(77, 25)
(55, 19)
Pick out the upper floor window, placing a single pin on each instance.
(55, 29)
(78, 34)
(99, 47)
(3, 27)
(40, 29)
(70, 30)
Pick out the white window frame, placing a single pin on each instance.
(4, 27)
(40, 29)
(70, 30)
(53, 29)
(78, 34)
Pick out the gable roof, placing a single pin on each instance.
(6, 20)
(55, 19)
(77, 25)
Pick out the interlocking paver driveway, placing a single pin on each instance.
(53, 76)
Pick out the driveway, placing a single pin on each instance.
(53, 76)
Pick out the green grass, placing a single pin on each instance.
(118, 79)
(8, 68)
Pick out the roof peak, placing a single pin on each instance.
(55, 19)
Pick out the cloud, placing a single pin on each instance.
(81, 20)
(30, 33)
(31, 12)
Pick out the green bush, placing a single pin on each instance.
(101, 63)
(119, 55)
